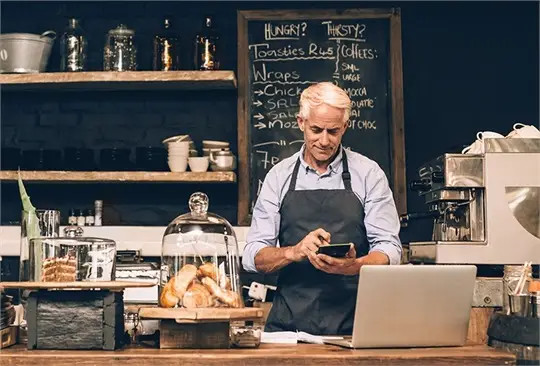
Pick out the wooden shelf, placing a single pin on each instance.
(67, 176)
(129, 80)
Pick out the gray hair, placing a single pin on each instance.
(324, 93)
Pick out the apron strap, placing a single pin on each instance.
(292, 186)
(346, 176)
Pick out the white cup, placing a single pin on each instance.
(524, 131)
(488, 135)
(476, 147)
(178, 164)
(198, 164)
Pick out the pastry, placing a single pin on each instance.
(225, 282)
(197, 296)
(207, 270)
(228, 297)
(183, 278)
(63, 269)
(167, 298)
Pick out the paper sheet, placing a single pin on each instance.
(293, 338)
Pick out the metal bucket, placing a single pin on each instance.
(25, 53)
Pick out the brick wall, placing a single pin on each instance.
(461, 75)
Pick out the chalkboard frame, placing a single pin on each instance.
(398, 179)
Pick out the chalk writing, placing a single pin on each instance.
(285, 57)
(284, 31)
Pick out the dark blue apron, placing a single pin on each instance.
(308, 299)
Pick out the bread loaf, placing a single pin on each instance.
(207, 270)
(228, 297)
(197, 296)
(167, 298)
(183, 278)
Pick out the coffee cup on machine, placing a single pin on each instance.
(524, 131)
(477, 147)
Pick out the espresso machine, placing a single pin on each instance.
(485, 208)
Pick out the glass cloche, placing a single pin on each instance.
(71, 258)
(199, 260)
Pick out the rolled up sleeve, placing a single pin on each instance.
(264, 228)
(381, 217)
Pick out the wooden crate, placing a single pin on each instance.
(75, 319)
(195, 335)
(198, 328)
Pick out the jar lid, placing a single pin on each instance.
(121, 30)
(73, 241)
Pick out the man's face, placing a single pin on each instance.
(323, 131)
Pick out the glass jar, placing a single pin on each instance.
(72, 258)
(120, 51)
(512, 274)
(199, 260)
(39, 223)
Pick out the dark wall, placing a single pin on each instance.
(468, 66)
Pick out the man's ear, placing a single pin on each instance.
(300, 123)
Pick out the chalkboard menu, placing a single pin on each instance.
(283, 52)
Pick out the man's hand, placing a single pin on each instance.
(350, 265)
(309, 245)
(345, 266)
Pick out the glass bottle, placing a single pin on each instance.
(207, 48)
(166, 49)
(120, 51)
(73, 47)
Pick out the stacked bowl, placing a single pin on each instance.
(178, 155)
(178, 148)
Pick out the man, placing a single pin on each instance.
(318, 196)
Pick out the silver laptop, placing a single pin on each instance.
(411, 306)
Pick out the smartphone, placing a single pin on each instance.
(335, 250)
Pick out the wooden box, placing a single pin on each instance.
(194, 335)
(198, 328)
(75, 319)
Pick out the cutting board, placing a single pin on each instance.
(110, 285)
(182, 315)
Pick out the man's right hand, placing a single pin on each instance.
(310, 243)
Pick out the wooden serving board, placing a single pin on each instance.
(110, 285)
(182, 315)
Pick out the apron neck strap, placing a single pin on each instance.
(292, 186)
(346, 176)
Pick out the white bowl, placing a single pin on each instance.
(176, 139)
(179, 152)
(178, 165)
(182, 147)
(198, 164)
(206, 152)
(215, 144)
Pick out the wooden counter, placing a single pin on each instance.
(267, 354)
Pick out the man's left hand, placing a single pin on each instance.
(344, 266)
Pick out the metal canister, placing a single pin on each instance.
(512, 274)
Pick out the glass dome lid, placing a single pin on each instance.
(199, 220)
(199, 260)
